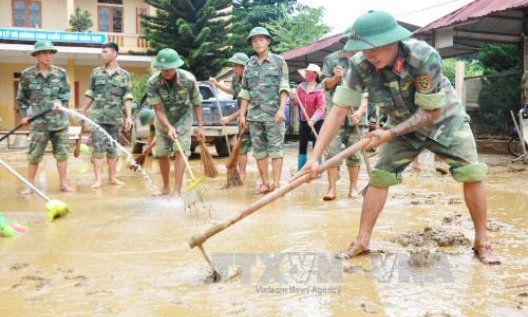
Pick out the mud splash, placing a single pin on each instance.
(431, 237)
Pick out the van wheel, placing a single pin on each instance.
(221, 148)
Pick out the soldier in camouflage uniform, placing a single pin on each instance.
(264, 96)
(238, 62)
(109, 90)
(335, 66)
(43, 87)
(173, 93)
(404, 77)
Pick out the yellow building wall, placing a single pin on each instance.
(8, 94)
(54, 15)
(129, 13)
(6, 17)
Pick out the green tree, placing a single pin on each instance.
(500, 93)
(139, 86)
(80, 21)
(248, 14)
(197, 30)
(304, 26)
(472, 68)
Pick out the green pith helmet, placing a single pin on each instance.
(375, 29)
(41, 46)
(257, 31)
(146, 116)
(167, 58)
(239, 58)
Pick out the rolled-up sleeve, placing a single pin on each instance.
(430, 94)
(284, 84)
(196, 97)
(153, 97)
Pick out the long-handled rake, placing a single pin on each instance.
(54, 207)
(198, 240)
(195, 189)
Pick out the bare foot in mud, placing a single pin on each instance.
(330, 195)
(66, 188)
(176, 193)
(353, 250)
(116, 182)
(96, 185)
(27, 191)
(164, 192)
(353, 193)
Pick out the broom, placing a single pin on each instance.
(195, 189)
(207, 161)
(233, 176)
(139, 161)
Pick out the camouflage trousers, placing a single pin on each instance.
(267, 139)
(345, 137)
(165, 146)
(39, 141)
(461, 156)
(102, 146)
(245, 147)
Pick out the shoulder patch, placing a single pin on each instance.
(424, 83)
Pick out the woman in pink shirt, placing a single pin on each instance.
(312, 96)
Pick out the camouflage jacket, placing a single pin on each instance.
(330, 62)
(109, 93)
(178, 99)
(414, 82)
(39, 93)
(262, 85)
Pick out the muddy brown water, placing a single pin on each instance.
(123, 253)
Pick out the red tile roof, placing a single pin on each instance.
(475, 9)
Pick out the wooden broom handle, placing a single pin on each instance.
(185, 159)
(363, 151)
(297, 180)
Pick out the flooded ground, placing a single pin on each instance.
(123, 253)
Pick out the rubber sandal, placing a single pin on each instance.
(485, 255)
